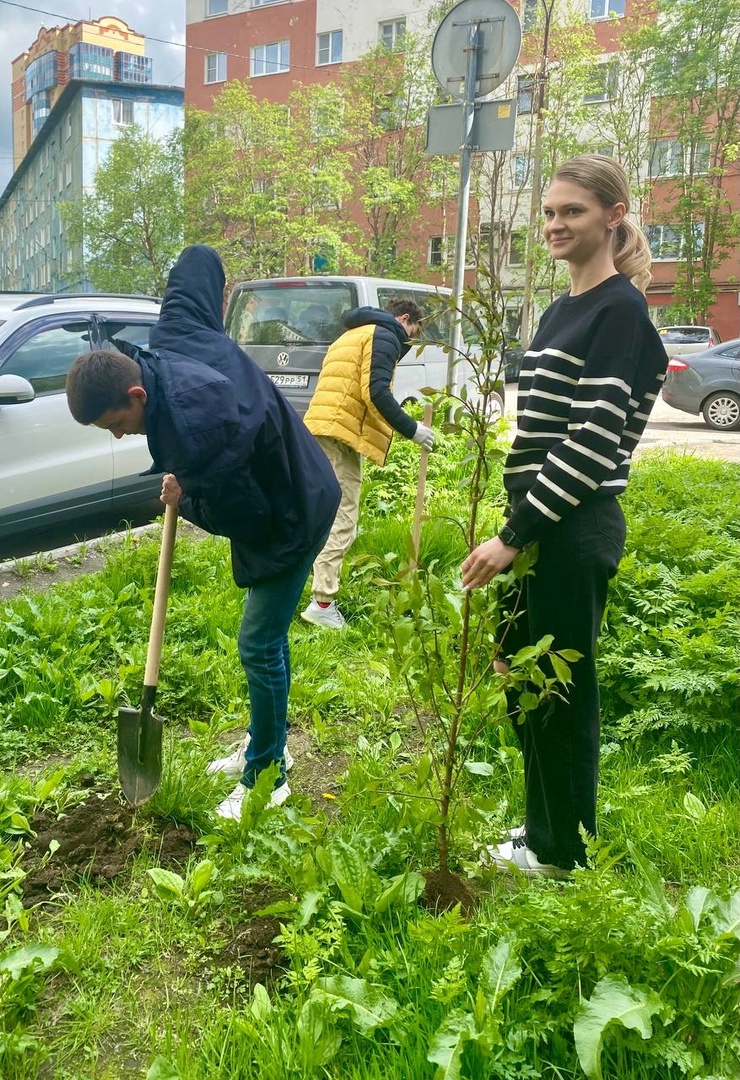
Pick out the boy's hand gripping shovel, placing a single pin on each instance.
(140, 730)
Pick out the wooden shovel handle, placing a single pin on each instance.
(419, 508)
(161, 592)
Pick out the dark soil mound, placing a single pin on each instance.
(96, 840)
(252, 952)
(444, 890)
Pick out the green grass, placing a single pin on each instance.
(376, 982)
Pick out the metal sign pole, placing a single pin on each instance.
(463, 198)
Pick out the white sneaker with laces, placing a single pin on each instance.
(231, 807)
(518, 832)
(329, 617)
(514, 855)
(233, 764)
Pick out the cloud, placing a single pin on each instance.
(164, 19)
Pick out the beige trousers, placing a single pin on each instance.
(347, 466)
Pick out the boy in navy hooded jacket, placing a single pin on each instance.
(240, 463)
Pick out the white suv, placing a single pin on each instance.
(51, 468)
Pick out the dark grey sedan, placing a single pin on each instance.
(708, 383)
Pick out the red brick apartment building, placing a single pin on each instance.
(274, 44)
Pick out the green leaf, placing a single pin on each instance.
(405, 889)
(309, 905)
(31, 955)
(694, 807)
(653, 892)
(700, 901)
(571, 655)
(500, 969)
(201, 876)
(162, 1069)
(423, 769)
(261, 1007)
(613, 1001)
(317, 1044)
(479, 768)
(448, 1043)
(371, 1007)
(167, 884)
(561, 669)
(727, 916)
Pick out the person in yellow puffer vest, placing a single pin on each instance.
(353, 414)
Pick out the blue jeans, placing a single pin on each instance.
(265, 657)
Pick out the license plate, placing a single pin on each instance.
(298, 382)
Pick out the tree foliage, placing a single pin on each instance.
(131, 226)
(692, 54)
(332, 180)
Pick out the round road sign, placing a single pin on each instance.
(499, 41)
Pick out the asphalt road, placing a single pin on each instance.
(667, 427)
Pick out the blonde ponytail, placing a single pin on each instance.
(607, 181)
(632, 255)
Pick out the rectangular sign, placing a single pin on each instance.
(493, 127)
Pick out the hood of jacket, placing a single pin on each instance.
(367, 316)
(191, 316)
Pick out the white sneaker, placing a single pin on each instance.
(231, 807)
(518, 832)
(514, 855)
(329, 617)
(233, 764)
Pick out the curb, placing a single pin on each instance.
(88, 545)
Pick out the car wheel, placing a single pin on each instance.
(721, 411)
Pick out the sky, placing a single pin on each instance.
(21, 21)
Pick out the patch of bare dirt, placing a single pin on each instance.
(252, 954)
(96, 841)
(444, 890)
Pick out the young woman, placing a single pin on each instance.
(588, 383)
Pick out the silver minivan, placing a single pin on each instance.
(287, 324)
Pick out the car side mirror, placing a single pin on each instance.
(15, 390)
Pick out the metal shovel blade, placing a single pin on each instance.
(139, 753)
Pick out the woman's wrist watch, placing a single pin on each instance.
(509, 537)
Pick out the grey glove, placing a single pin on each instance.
(424, 436)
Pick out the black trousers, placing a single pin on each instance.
(566, 597)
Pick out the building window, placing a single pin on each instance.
(123, 111)
(270, 59)
(392, 33)
(517, 247)
(668, 242)
(88, 61)
(522, 170)
(130, 68)
(602, 83)
(530, 11)
(330, 47)
(216, 7)
(68, 127)
(524, 94)
(435, 254)
(41, 74)
(67, 173)
(215, 67)
(673, 158)
(606, 9)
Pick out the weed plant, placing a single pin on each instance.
(630, 971)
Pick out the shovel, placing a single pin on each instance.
(140, 730)
(420, 488)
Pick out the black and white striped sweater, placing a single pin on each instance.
(587, 385)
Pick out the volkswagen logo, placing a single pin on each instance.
(283, 359)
